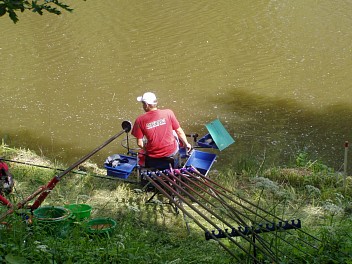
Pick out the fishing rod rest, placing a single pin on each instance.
(241, 231)
(157, 173)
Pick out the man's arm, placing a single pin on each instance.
(140, 143)
(182, 136)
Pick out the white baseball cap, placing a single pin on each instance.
(148, 98)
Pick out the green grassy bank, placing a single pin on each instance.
(155, 233)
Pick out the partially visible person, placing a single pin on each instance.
(155, 130)
(6, 179)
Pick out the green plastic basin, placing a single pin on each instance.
(79, 211)
(101, 226)
(53, 219)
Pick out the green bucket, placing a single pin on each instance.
(101, 226)
(79, 211)
(53, 219)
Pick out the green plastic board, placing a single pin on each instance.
(219, 134)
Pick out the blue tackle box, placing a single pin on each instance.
(123, 169)
(207, 142)
(202, 161)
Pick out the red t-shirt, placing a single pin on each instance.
(157, 126)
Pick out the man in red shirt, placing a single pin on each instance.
(155, 130)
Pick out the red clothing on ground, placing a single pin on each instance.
(157, 126)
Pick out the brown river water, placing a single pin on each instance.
(276, 74)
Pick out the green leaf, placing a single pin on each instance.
(13, 15)
(52, 10)
(2, 10)
(11, 259)
(63, 6)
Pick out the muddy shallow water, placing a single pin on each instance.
(276, 73)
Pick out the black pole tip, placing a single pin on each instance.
(126, 125)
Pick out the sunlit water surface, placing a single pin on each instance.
(276, 73)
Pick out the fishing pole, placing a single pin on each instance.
(126, 127)
(167, 186)
(249, 202)
(166, 194)
(266, 248)
(219, 198)
(43, 192)
(73, 171)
